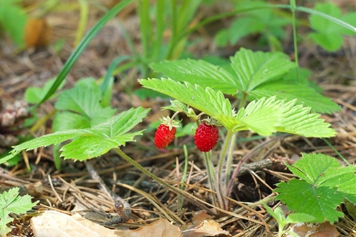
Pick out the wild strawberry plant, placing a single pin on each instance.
(264, 116)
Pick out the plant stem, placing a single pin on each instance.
(243, 100)
(336, 151)
(220, 184)
(184, 175)
(211, 173)
(292, 8)
(229, 162)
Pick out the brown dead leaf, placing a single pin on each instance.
(160, 228)
(53, 224)
(199, 217)
(37, 33)
(321, 230)
(206, 228)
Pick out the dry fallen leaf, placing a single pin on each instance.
(205, 228)
(321, 230)
(160, 228)
(56, 224)
(37, 33)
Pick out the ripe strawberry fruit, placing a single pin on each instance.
(164, 136)
(206, 137)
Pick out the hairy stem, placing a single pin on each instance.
(211, 173)
(229, 161)
(220, 187)
(293, 6)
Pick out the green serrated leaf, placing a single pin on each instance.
(198, 72)
(206, 100)
(303, 197)
(323, 170)
(11, 202)
(66, 120)
(290, 90)
(325, 181)
(255, 68)
(85, 101)
(264, 116)
(111, 132)
(91, 146)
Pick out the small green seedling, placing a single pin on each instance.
(282, 221)
(12, 202)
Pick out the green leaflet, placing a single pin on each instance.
(12, 202)
(263, 116)
(257, 74)
(199, 72)
(323, 186)
(328, 34)
(80, 107)
(89, 142)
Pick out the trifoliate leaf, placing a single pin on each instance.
(324, 185)
(12, 202)
(109, 134)
(198, 72)
(255, 68)
(319, 202)
(322, 170)
(264, 116)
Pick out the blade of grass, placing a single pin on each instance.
(82, 45)
(157, 44)
(146, 32)
(294, 25)
(84, 13)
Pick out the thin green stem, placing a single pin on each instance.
(220, 184)
(243, 100)
(211, 173)
(229, 161)
(336, 151)
(294, 25)
(184, 175)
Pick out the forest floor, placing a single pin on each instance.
(73, 189)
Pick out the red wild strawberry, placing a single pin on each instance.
(164, 136)
(206, 137)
